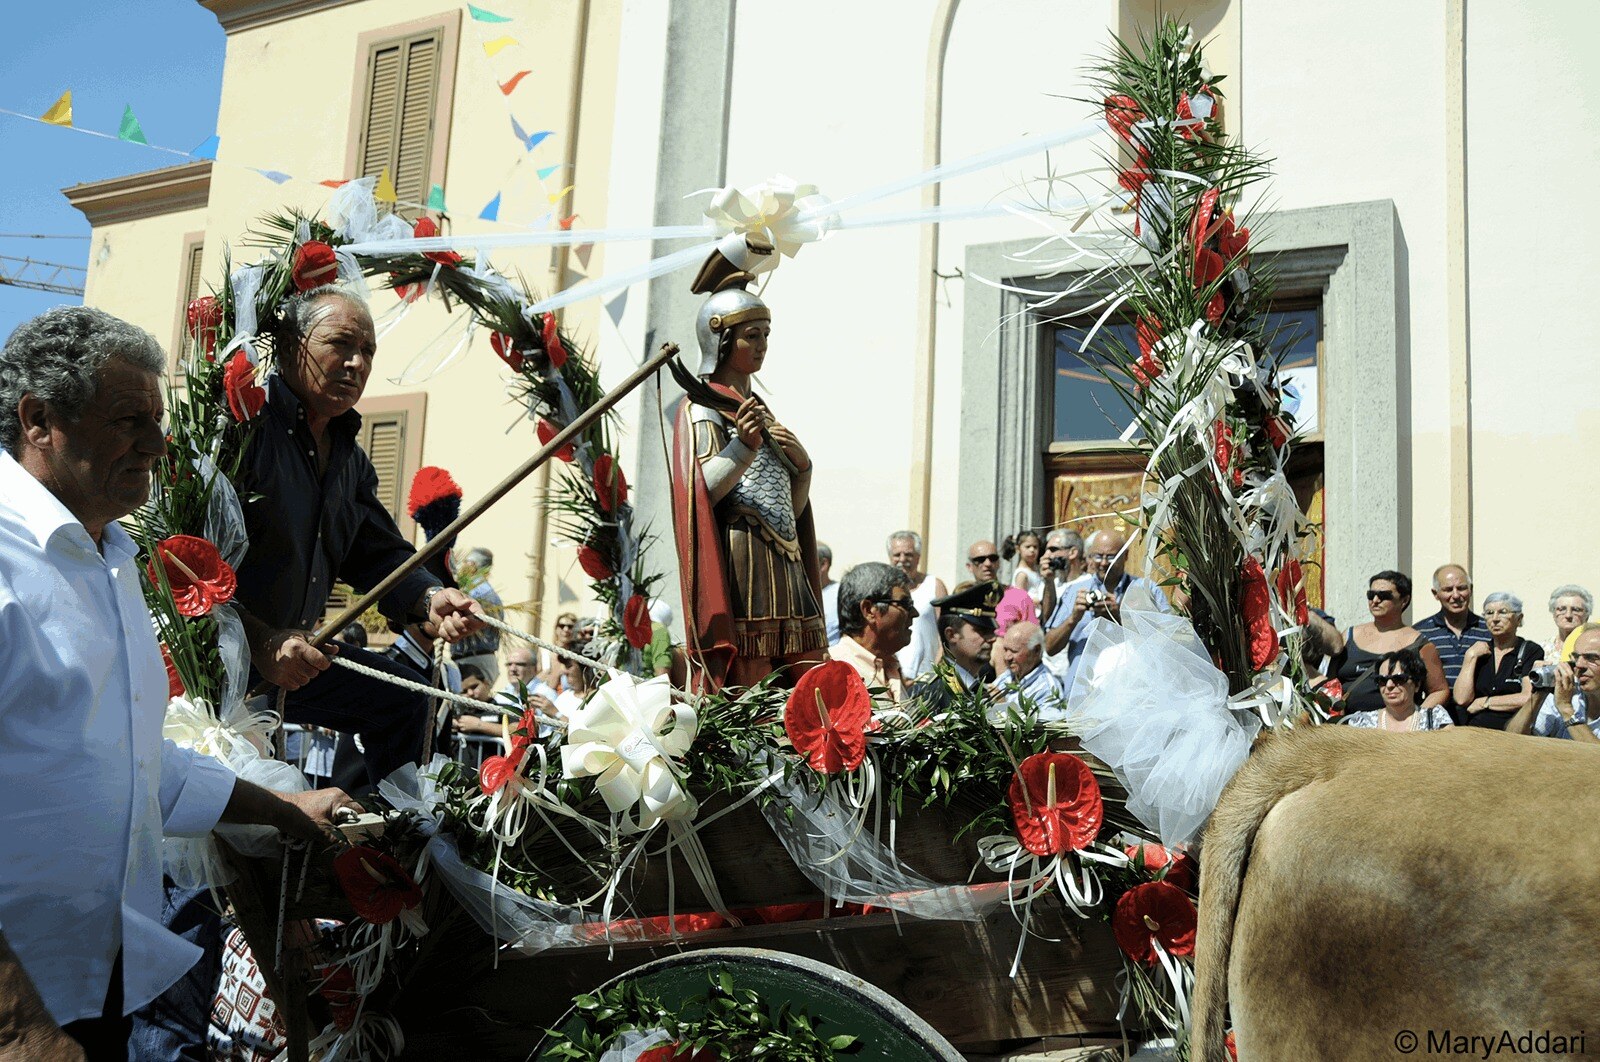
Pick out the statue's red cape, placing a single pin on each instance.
(702, 565)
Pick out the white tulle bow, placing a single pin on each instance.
(627, 738)
(776, 209)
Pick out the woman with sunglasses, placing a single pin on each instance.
(1388, 597)
(1493, 682)
(1399, 678)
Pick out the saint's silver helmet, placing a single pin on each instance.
(724, 275)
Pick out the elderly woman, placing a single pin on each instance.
(1388, 597)
(1400, 677)
(1493, 681)
(1570, 606)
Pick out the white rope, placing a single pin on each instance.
(454, 698)
(501, 625)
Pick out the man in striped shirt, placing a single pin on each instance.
(1455, 627)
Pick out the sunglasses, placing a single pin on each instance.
(1396, 680)
(564, 626)
(1380, 595)
(985, 559)
(900, 602)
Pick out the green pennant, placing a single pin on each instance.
(480, 15)
(436, 198)
(131, 131)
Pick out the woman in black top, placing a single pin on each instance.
(1493, 681)
(1388, 597)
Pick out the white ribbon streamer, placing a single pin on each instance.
(627, 738)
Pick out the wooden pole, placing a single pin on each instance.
(566, 435)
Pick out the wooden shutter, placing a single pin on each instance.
(397, 134)
(383, 437)
(192, 278)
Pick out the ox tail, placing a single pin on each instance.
(1273, 771)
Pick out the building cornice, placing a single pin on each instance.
(236, 15)
(143, 195)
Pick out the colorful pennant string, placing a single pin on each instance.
(559, 196)
(498, 45)
(60, 112)
(481, 15)
(507, 87)
(546, 171)
(131, 130)
(275, 176)
(384, 191)
(208, 147)
(491, 211)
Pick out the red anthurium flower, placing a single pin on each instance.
(1215, 308)
(552, 342)
(547, 431)
(1208, 267)
(424, 228)
(1256, 604)
(1233, 1048)
(1333, 689)
(1055, 803)
(406, 292)
(1186, 112)
(376, 885)
(636, 624)
(1153, 913)
(528, 726)
(1222, 447)
(496, 771)
(827, 717)
(1201, 227)
(205, 317)
(314, 265)
(174, 680)
(610, 485)
(1148, 367)
(1277, 433)
(1121, 114)
(594, 564)
(506, 348)
(196, 572)
(669, 1053)
(245, 396)
(1232, 243)
(1179, 866)
(1292, 591)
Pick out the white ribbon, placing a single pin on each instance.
(787, 214)
(627, 738)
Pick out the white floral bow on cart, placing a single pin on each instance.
(627, 738)
(778, 210)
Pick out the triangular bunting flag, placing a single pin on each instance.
(498, 45)
(384, 192)
(334, 184)
(208, 149)
(480, 15)
(546, 171)
(566, 222)
(583, 251)
(529, 140)
(491, 212)
(130, 129)
(275, 176)
(615, 307)
(60, 112)
(559, 196)
(506, 87)
(436, 198)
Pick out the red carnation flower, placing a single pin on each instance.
(1256, 604)
(426, 228)
(1055, 803)
(1179, 866)
(315, 264)
(547, 431)
(636, 621)
(376, 885)
(1150, 914)
(245, 396)
(1121, 114)
(196, 573)
(506, 348)
(552, 342)
(594, 564)
(827, 717)
(205, 317)
(610, 485)
(174, 680)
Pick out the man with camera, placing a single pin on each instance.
(1100, 592)
(1559, 705)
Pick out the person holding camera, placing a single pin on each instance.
(1558, 707)
(1100, 593)
(1493, 682)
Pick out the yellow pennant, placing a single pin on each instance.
(384, 192)
(60, 112)
(559, 196)
(498, 45)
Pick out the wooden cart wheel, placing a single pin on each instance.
(888, 1031)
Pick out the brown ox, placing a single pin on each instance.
(1357, 887)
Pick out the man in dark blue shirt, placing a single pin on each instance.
(1455, 627)
(312, 513)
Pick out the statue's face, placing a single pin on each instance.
(749, 346)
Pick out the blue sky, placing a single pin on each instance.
(164, 57)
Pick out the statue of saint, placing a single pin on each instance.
(747, 552)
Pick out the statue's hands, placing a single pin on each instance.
(790, 446)
(749, 421)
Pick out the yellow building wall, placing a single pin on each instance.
(138, 270)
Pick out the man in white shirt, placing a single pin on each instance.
(88, 783)
(1565, 712)
(1026, 684)
(1098, 593)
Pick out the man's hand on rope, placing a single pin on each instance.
(314, 816)
(454, 614)
(288, 659)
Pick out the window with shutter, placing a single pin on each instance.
(191, 285)
(405, 110)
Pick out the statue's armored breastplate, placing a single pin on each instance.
(766, 492)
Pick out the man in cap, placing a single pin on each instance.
(967, 631)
